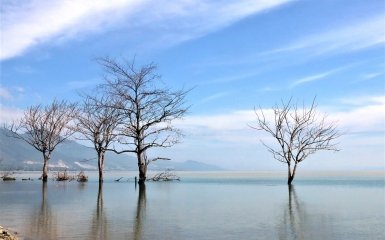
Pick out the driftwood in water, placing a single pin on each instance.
(167, 175)
(117, 180)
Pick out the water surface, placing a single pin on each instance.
(216, 205)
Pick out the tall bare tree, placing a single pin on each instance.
(44, 127)
(98, 123)
(147, 109)
(299, 132)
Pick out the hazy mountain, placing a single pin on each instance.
(15, 154)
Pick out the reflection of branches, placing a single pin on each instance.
(44, 225)
(140, 212)
(99, 228)
(292, 222)
(298, 223)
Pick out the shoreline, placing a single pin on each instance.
(6, 234)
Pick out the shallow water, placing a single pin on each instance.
(216, 205)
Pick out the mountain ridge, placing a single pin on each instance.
(15, 154)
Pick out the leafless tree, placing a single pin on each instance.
(147, 109)
(98, 123)
(44, 127)
(299, 132)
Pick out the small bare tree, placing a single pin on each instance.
(147, 110)
(44, 128)
(299, 133)
(97, 123)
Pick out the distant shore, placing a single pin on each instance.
(6, 234)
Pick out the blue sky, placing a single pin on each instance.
(235, 54)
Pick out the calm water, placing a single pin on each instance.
(219, 205)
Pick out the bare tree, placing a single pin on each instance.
(98, 123)
(299, 133)
(148, 110)
(45, 127)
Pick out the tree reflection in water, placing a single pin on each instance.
(99, 225)
(298, 223)
(140, 212)
(291, 226)
(43, 223)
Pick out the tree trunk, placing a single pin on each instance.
(101, 165)
(142, 167)
(291, 174)
(45, 167)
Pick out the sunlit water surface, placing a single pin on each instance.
(217, 205)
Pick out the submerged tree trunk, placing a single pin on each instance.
(142, 166)
(45, 167)
(101, 165)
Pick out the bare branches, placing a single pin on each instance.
(98, 123)
(146, 110)
(299, 132)
(142, 104)
(45, 127)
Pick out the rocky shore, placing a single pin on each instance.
(6, 234)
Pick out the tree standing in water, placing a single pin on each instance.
(45, 127)
(298, 132)
(98, 124)
(146, 109)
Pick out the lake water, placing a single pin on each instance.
(217, 205)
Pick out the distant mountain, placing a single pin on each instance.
(15, 154)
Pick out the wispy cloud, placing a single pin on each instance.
(267, 89)
(77, 85)
(364, 34)
(372, 75)
(214, 97)
(28, 24)
(313, 78)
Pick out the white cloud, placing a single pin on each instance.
(366, 116)
(5, 94)
(235, 126)
(28, 24)
(362, 100)
(35, 22)
(8, 115)
(365, 34)
(227, 139)
(235, 120)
